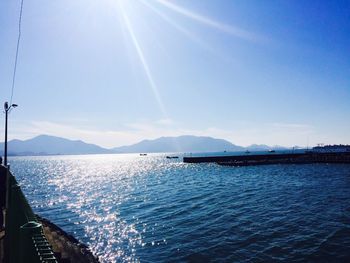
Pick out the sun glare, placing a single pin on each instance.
(126, 10)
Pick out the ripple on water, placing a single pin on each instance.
(129, 208)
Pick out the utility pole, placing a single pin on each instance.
(6, 106)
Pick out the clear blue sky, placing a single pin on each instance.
(113, 72)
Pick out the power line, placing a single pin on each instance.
(16, 58)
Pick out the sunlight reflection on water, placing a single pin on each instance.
(130, 208)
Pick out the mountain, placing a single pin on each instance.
(49, 145)
(185, 143)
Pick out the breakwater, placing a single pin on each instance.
(272, 158)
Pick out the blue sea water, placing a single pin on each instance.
(130, 208)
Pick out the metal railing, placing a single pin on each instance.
(24, 239)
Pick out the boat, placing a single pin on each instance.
(143, 154)
(172, 157)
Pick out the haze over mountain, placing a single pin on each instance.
(51, 145)
(185, 143)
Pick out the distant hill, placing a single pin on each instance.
(186, 143)
(49, 145)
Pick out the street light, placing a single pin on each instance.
(7, 110)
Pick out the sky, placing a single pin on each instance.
(114, 72)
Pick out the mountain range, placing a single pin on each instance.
(186, 143)
(51, 145)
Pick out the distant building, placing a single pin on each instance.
(332, 149)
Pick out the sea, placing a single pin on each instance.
(132, 208)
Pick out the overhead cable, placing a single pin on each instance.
(17, 49)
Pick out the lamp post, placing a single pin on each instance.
(7, 108)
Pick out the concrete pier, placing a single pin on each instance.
(272, 158)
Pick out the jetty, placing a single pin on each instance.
(273, 158)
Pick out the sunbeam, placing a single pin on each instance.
(142, 59)
(186, 32)
(235, 31)
(174, 24)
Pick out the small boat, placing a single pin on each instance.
(172, 157)
(143, 154)
(272, 151)
(247, 152)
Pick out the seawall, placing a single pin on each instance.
(66, 247)
(29, 238)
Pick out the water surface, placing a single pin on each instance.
(129, 208)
